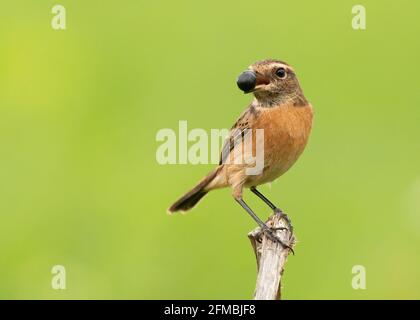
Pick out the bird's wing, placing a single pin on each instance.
(237, 133)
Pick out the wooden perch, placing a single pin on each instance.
(271, 257)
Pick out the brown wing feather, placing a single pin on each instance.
(237, 132)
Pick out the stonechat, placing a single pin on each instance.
(281, 110)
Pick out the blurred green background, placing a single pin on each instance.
(80, 185)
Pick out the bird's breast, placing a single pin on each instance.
(286, 132)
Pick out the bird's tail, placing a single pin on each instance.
(190, 199)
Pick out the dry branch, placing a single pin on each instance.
(271, 257)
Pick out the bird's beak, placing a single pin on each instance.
(262, 81)
(251, 81)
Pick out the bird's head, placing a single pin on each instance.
(271, 82)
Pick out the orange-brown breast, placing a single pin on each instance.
(286, 132)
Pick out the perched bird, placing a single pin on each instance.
(285, 116)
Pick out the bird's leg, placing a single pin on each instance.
(273, 207)
(264, 227)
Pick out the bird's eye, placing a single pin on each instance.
(281, 73)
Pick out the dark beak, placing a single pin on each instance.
(248, 81)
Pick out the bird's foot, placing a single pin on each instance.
(270, 233)
(286, 218)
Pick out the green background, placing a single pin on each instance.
(80, 185)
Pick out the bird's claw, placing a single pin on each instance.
(286, 217)
(270, 234)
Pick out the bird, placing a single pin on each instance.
(281, 112)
